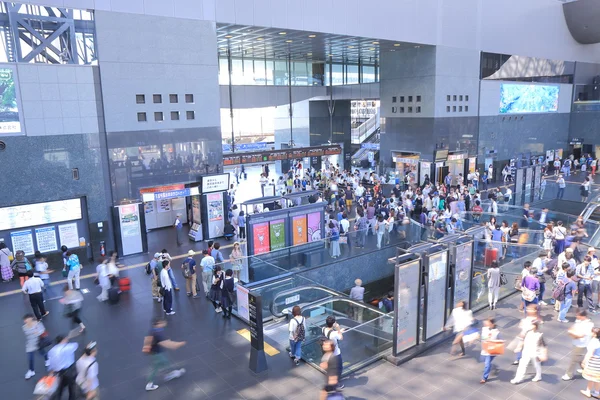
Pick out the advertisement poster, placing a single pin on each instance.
(277, 234)
(9, 123)
(407, 305)
(22, 240)
(46, 239)
(149, 207)
(130, 221)
(436, 294)
(462, 278)
(314, 227)
(299, 230)
(196, 209)
(216, 218)
(68, 235)
(242, 302)
(261, 238)
(164, 205)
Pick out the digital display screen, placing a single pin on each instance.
(9, 110)
(39, 214)
(519, 98)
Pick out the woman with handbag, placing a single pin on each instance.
(227, 294)
(535, 351)
(489, 340)
(591, 365)
(35, 340)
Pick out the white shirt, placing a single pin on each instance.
(583, 328)
(87, 373)
(334, 336)
(33, 285)
(165, 281)
(294, 322)
(345, 224)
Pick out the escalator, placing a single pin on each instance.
(368, 331)
(361, 157)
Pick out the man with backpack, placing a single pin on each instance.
(189, 272)
(333, 332)
(297, 329)
(568, 291)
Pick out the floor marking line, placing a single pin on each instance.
(270, 350)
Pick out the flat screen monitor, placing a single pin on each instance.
(520, 98)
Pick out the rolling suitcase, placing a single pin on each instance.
(125, 284)
(491, 254)
(113, 295)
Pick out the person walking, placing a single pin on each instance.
(35, 340)
(41, 268)
(488, 332)
(493, 277)
(570, 289)
(72, 300)
(189, 265)
(155, 344)
(591, 366)
(236, 259)
(178, 229)
(5, 258)
(357, 293)
(103, 280)
(330, 364)
(167, 288)
(333, 332)
(208, 264)
(585, 189)
(297, 330)
(581, 333)
(33, 287)
(242, 225)
(460, 319)
(534, 349)
(227, 294)
(334, 240)
(21, 265)
(215, 289)
(560, 232)
(61, 359)
(74, 268)
(561, 187)
(585, 273)
(87, 372)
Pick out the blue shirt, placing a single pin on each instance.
(569, 287)
(586, 272)
(62, 356)
(241, 221)
(191, 264)
(217, 255)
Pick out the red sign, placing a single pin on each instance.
(261, 238)
(159, 189)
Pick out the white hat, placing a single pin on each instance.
(191, 253)
(157, 255)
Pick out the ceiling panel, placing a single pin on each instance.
(258, 42)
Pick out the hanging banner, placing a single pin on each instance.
(299, 230)
(277, 229)
(22, 240)
(314, 227)
(261, 238)
(68, 235)
(46, 239)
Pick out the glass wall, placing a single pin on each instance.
(254, 71)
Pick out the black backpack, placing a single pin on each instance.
(148, 269)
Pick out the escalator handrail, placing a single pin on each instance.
(334, 296)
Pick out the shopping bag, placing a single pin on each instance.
(343, 239)
(493, 347)
(46, 386)
(470, 335)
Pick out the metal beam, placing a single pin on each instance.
(45, 43)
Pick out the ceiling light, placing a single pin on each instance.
(417, 47)
(312, 36)
(329, 55)
(309, 54)
(375, 42)
(288, 41)
(350, 47)
(259, 38)
(396, 44)
(372, 48)
(228, 36)
(282, 33)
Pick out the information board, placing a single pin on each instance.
(462, 272)
(277, 233)
(22, 240)
(436, 293)
(242, 302)
(215, 183)
(258, 362)
(46, 239)
(68, 235)
(39, 214)
(406, 311)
